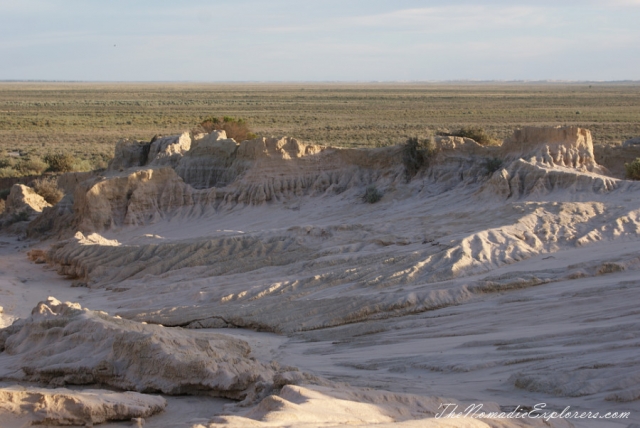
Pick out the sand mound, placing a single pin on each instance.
(327, 407)
(64, 344)
(23, 406)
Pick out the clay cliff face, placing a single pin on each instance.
(217, 172)
(24, 199)
(564, 146)
(181, 175)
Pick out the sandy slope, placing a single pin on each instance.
(510, 289)
(23, 284)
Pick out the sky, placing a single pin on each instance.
(319, 40)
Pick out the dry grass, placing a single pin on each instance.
(238, 129)
(47, 187)
(85, 120)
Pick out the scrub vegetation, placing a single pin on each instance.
(84, 120)
(632, 169)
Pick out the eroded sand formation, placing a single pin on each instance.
(460, 282)
(63, 344)
(22, 406)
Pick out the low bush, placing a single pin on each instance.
(101, 161)
(492, 165)
(18, 167)
(83, 165)
(238, 129)
(7, 162)
(60, 162)
(632, 169)
(47, 187)
(30, 166)
(8, 172)
(415, 155)
(372, 194)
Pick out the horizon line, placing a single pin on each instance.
(465, 81)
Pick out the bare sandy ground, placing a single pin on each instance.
(468, 352)
(23, 284)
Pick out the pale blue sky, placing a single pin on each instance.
(323, 40)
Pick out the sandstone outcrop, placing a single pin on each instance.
(56, 219)
(210, 162)
(189, 176)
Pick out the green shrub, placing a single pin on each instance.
(415, 155)
(7, 162)
(30, 166)
(633, 169)
(411, 158)
(83, 165)
(47, 187)
(372, 194)
(4, 194)
(18, 167)
(492, 165)
(100, 161)
(8, 172)
(238, 129)
(60, 162)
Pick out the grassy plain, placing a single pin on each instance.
(86, 119)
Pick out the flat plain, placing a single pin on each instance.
(88, 118)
